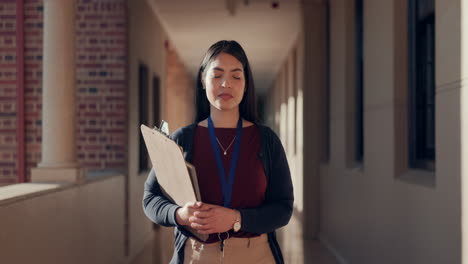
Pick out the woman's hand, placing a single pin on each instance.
(213, 219)
(184, 213)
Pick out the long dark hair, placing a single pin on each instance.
(247, 107)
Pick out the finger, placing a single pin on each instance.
(200, 227)
(197, 220)
(210, 206)
(194, 205)
(204, 207)
(203, 214)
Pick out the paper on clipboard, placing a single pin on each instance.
(176, 177)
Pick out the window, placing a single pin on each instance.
(359, 20)
(156, 101)
(421, 19)
(142, 114)
(325, 108)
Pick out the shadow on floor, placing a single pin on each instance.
(296, 250)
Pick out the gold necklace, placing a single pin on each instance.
(225, 150)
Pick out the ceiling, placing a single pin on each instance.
(267, 34)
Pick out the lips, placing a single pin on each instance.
(225, 96)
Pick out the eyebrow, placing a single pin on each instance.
(233, 70)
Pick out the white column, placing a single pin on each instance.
(58, 94)
(451, 52)
(462, 84)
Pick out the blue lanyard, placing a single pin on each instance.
(226, 186)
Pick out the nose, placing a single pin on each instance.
(226, 83)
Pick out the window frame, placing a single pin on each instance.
(359, 80)
(143, 115)
(421, 156)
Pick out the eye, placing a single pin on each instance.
(217, 76)
(236, 77)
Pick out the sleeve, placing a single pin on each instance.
(156, 206)
(277, 209)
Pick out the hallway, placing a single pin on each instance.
(368, 99)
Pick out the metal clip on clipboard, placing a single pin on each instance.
(163, 128)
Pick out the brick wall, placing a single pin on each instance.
(101, 83)
(101, 58)
(33, 17)
(180, 92)
(7, 92)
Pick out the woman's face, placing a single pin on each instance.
(224, 82)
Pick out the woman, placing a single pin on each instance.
(242, 170)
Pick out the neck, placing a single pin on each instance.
(225, 119)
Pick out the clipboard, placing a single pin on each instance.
(177, 178)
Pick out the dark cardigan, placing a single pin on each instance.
(274, 213)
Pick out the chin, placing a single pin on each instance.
(226, 107)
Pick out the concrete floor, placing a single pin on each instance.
(296, 250)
